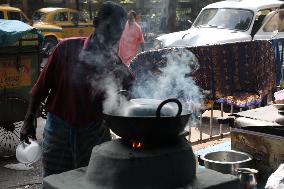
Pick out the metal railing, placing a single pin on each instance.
(223, 130)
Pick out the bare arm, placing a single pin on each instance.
(29, 128)
(39, 93)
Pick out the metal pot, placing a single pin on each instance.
(247, 177)
(226, 161)
(142, 124)
(142, 107)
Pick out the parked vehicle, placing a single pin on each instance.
(13, 13)
(59, 23)
(229, 21)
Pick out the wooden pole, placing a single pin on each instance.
(171, 16)
(77, 4)
(25, 6)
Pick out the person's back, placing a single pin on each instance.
(68, 83)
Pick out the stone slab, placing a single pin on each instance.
(206, 179)
(265, 114)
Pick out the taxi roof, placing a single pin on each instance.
(51, 9)
(6, 7)
(253, 5)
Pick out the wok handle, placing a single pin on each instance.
(158, 112)
(124, 93)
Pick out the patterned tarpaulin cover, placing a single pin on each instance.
(240, 73)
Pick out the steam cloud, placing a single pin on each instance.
(175, 80)
(100, 79)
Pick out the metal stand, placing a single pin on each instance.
(200, 126)
(222, 115)
(211, 120)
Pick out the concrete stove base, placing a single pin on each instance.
(115, 165)
(205, 179)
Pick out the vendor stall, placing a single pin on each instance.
(19, 68)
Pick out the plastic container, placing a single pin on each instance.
(28, 153)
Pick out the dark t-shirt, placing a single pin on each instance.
(74, 88)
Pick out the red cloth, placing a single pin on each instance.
(132, 35)
(65, 78)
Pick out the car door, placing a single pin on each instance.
(61, 19)
(82, 27)
(86, 25)
(74, 18)
(15, 15)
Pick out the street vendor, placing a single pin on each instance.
(74, 81)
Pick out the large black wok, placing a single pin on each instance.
(148, 128)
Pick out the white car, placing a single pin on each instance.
(229, 21)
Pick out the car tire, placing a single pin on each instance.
(48, 45)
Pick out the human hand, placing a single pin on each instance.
(28, 130)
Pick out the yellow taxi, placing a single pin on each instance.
(13, 13)
(58, 23)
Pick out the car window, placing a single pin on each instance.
(238, 19)
(281, 21)
(271, 25)
(83, 17)
(38, 16)
(1, 15)
(12, 15)
(61, 17)
(276, 22)
(74, 16)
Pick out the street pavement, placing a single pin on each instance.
(30, 179)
